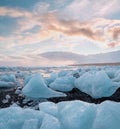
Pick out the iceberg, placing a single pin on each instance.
(27, 78)
(6, 84)
(49, 108)
(63, 73)
(36, 88)
(117, 77)
(18, 118)
(96, 84)
(65, 83)
(76, 114)
(31, 124)
(110, 72)
(107, 116)
(69, 115)
(51, 79)
(8, 78)
(50, 122)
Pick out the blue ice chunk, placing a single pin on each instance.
(65, 83)
(49, 108)
(50, 122)
(96, 84)
(36, 88)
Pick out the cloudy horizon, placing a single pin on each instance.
(33, 27)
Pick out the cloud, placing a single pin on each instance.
(95, 30)
(14, 12)
(114, 44)
(54, 23)
(30, 60)
(2, 38)
(115, 32)
(41, 7)
(75, 29)
(87, 9)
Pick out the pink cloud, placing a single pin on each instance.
(14, 12)
(97, 30)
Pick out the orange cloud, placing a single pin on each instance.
(115, 32)
(95, 30)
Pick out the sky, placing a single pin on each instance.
(31, 27)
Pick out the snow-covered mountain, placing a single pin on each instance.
(110, 57)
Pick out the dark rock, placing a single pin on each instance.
(75, 94)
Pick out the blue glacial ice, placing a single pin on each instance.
(82, 115)
(65, 83)
(49, 108)
(18, 118)
(63, 73)
(6, 84)
(97, 84)
(66, 115)
(51, 79)
(7, 80)
(117, 76)
(50, 122)
(36, 88)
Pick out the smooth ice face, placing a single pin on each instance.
(51, 79)
(76, 114)
(36, 88)
(65, 83)
(49, 108)
(27, 78)
(107, 116)
(50, 122)
(96, 84)
(31, 124)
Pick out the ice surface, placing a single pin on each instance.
(50, 122)
(49, 108)
(6, 84)
(8, 78)
(97, 84)
(36, 88)
(17, 118)
(27, 78)
(31, 124)
(110, 72)
(117, 77)
(71, 115)
(107, 116)
(65, 83)
(76, 114)
(51, 79)
(63, 73)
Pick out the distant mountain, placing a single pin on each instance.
(61, 56)
(110, 57)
